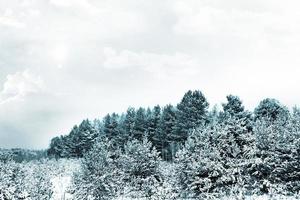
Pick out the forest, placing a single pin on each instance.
(183, 151)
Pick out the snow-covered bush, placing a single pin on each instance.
(277, 155)
(100, 176)
(108, 172)
(30, 180)
(139, 164)
(214, 158)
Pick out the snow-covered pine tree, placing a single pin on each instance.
(85, 138)
(153, 120)
(234, 108)
(277, 155)
(100, 176)
(140, 168)
(214, 159)
(112, 130)
(140, 124)
(191, 112)
(271, 109)
(163, 138)
(128, 124)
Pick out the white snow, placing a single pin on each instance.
(60, 185)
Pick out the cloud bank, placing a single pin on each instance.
(65, 60)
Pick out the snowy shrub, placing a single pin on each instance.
(100, 177)
(277, 155)
(139, 165)
(108, 172)
(214, 158)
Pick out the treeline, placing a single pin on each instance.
(232, 153)
(167, 128)
(20, 155)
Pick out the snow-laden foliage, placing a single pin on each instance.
(213, 159)
(31, 180)
(108, 172)
(171, 152)
(226, 157)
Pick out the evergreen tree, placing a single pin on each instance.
(129, 123)
(100, 177)
(191, 112)
(140, 124)
(72, 143)
(213, 159)
(270, 109)
(140, 163)
(85, 138)
(112, 130)
(56, 147)
(214, 115)
(277, 153)
(164, 139)
(153, 121)
(234, 108)
(234, 105)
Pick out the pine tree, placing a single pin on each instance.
(112, 130)
(129, 123)
(140, 124)
(100, 176)
(271, 109)
(234, 108)
(191, 112)
(213, 159)
(56, 147)
(71, 143)
(153, 122)
(85, 138)
(164, 139)
(139, 164)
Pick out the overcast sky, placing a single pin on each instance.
(65, 60)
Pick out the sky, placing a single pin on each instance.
(62, 61)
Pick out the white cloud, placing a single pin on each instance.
(258, 19)
(161, 65)
(157, 51)
(19, 85)
(11, 22)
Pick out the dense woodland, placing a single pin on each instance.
(183, 151)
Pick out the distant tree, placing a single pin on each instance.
(129, 123)
(112, 130)
(71, 143)
(56, 147)
(76, 143)
(165, 138)
(85, 138)
(271, 109)
(140, 124)
(214, 115)
(98, 125)
(191, 112)
(234, 105)
(234, 108)
(153, 122)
